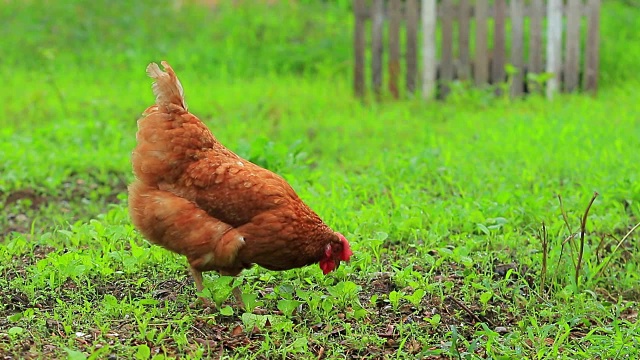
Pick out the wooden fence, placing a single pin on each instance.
(484, 57)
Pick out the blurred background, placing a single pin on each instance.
(235, 38)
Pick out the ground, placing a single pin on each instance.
(467, 217)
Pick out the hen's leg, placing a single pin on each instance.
(237, 293)
(197, 278)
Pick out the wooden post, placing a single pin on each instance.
(535, 36)
(428, 48)
(359, 48)
(592, 59)
(411, 16)
(517, 37)
(554, 45)
(572, 46)
(481, 63)
(497, 70)
(394, 46)
(446, 62)
(377, 50)
(464, 71)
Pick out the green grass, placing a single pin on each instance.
(444, 203)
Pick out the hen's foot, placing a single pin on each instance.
(237, 293)
(203, 303)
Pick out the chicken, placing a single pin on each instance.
(197, 198)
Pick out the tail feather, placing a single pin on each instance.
(166, 87)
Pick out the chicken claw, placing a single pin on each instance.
(202, 301)
(237, 293)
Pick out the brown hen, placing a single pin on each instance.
(197, 198)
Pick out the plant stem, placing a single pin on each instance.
(583, 229)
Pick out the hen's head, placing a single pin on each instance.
(334, 253)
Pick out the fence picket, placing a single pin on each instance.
(446, 64)
(429, 62)
(394, 46)
(572, 46)
(376, 45)
(481, 54)
(463, 68)
(535, 36)
(517, 37)
(554, 45)
(411, 16)
(592, 59)
(498, 55)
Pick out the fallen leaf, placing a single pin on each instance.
(336, 331)
(236, 330)
(413, 346)
(388, 332)
(209, 343)
(260, 311)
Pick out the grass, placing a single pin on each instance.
(444, 203)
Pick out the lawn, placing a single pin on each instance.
(465, 216)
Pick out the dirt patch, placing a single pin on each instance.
(35, 199)
(20, 208)
(220, 337)
(26, 200)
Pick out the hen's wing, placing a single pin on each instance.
(280, 231)
(181, 226)
(232, 189)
